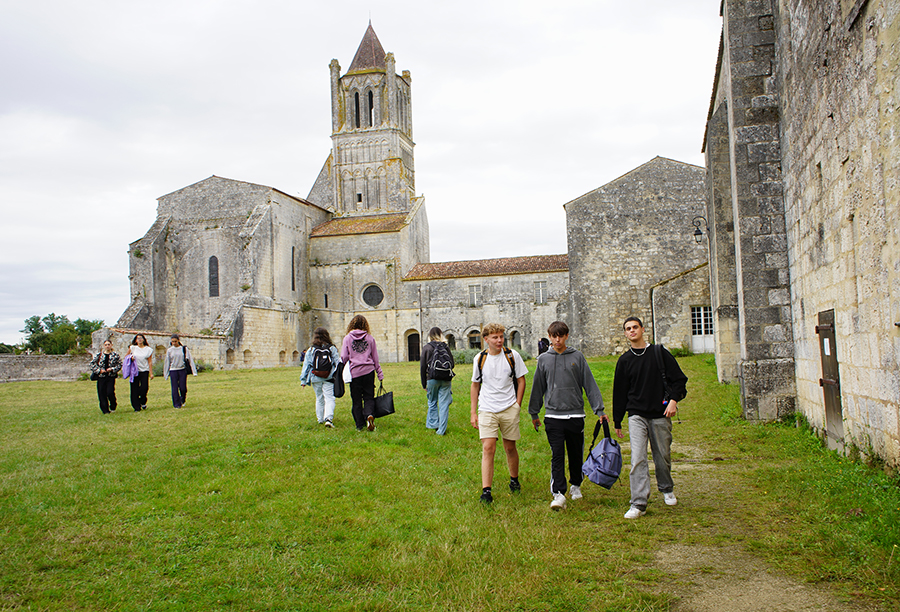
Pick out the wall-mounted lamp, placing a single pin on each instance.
(698, 233)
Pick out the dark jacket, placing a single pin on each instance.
(561, 377)
(638, 385)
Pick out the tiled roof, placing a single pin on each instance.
(489, 267)
(346, 226)
(370, 55)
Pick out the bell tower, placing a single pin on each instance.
(372, 146)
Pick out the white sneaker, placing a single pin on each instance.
(669, 498)
(329, 424)
(634, 512)
(559, 502)
(575, 490)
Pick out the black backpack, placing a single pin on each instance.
(440, 367)
(322, 362)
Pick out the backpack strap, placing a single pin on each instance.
(481, 357)
(512, 362)
(509, 359)
(661, 364)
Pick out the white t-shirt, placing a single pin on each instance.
(141, 355)
(498, 391)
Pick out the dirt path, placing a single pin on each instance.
(727, 578)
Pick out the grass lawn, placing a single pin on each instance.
(241, 501)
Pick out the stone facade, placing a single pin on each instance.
(802, 139)
(626, 238)
(248, 272)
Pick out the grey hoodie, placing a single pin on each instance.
(561, 377)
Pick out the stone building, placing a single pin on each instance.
(803, 162)
(631, 253)
(247, 272)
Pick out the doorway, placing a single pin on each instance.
(830, 381)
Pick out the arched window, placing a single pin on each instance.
(213, 276)
(356, 99)
(475, 340)
(371, 108)
(451, 341)
(516, 339)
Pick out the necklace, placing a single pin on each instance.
(641, 353)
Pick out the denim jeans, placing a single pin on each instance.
(440, 395)
(324, 399)
(659, 433)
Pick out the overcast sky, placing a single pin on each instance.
(518, 107)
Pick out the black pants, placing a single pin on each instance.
(565, 436)
(139, 388)
(178, 378)
(106, 392)
(362, 393)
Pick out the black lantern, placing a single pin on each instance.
(698, 233)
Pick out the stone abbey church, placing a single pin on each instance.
(247, 271)
(794, 281)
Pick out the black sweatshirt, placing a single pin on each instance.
(638, 385)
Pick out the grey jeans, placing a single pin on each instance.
(659, 434)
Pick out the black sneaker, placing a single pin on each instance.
(486, 497)
(514, 486)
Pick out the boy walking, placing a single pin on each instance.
(498, 386)
(648, 384)
(561, 375)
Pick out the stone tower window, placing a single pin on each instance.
(356, 99)
(359, 198)
(213, 276)
(373, 295)
(293, 281)
(371, 108)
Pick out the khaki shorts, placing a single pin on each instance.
(505, 422)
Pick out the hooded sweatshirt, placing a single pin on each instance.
(359, 351)
(561, 377)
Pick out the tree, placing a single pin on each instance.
(56, 335)
(84, 328)
(33, 326)
(52, 322)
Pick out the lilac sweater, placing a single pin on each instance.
(359, 351)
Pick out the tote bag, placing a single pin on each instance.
(384, 402)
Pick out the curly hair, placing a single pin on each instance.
(492, 328)
(358, 322)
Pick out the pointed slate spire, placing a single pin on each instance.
(370, 55)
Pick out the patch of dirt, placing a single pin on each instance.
(728, 580)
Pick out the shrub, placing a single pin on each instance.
(465, 355)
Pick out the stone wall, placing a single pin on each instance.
(672, 301)
(623, 239)
(17, 368)
(840, 101)
(744, 159)
(209, 349)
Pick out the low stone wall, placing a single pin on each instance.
(17, 368)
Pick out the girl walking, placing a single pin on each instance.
(178, 359)
(106, 365)
(143, 361)
(359, 353)
(319, 365)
